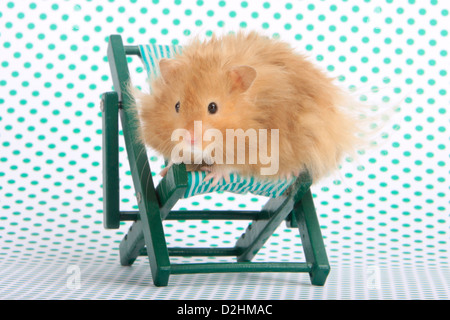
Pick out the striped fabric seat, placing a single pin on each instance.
(238, 184)
(150, 54)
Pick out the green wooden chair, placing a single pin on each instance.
(289, 201)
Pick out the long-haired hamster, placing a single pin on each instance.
(276, 113)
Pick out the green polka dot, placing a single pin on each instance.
(389, 206)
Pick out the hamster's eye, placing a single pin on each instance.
(177, 107)
(212, 108)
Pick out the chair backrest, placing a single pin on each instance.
(152, 53)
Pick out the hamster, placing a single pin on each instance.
(251, 85)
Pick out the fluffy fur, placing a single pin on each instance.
(285, 92)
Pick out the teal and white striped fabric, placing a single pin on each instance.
(238, 184)
(150, 54)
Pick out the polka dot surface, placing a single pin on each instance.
(384, 215)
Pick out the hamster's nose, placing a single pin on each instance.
(191, 138)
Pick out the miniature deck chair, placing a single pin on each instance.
(289, 201)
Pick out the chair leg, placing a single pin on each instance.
(110, 153)
(312, 240)
(149, 213)
(259, 231)
(132, 244)
(157, 252)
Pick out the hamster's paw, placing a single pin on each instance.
(206, 168)
(216, 175)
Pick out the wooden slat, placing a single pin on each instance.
(240, 267)
(277, 209)
(110, 154)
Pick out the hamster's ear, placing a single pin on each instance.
(168, 69)
(241, 78)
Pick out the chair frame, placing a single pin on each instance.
(146, 237)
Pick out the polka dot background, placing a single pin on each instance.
(384, 216)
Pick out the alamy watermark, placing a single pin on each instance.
(190, 149)
(373, 277)
(73, 281)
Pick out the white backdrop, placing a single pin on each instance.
(384, 217)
